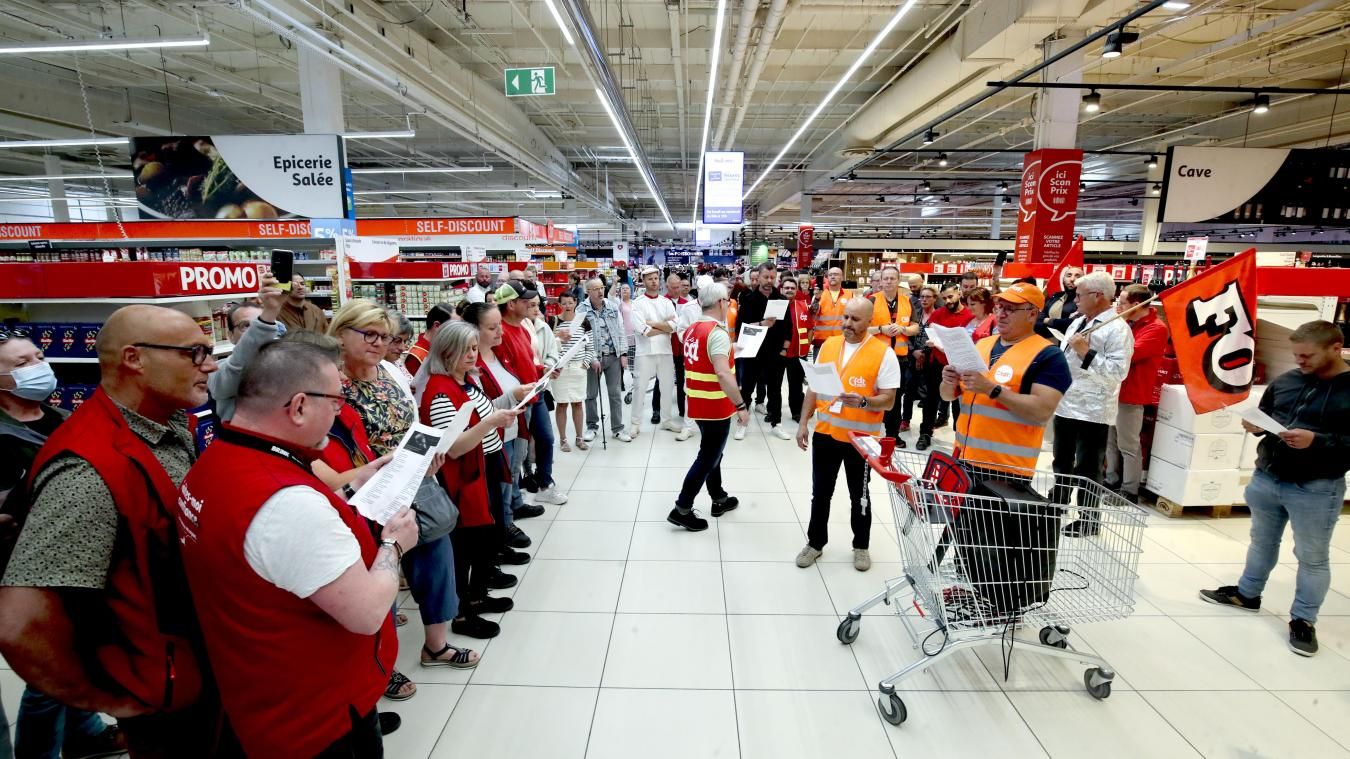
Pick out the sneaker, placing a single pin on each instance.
(924, 442)
(671, 425)
(781, 432)
(516, 537)
(473, 626)
(529, 510)
(1081, 528)
(110, 742)
(656, 418)
(500, 580)
(940, 423)
(685, 434)
(807, 557)
(589, 436)
(691, 521)
(623, 437)
(904, 426)
(549, 495)
(389, 722)
(628, 398)
(1228, 595)
(761, 409)
(633, 432)
(508, 556)
(490, 605)
(724, 504)
(528, 483)
(739, 434)
(862, 560)
(1302, 637)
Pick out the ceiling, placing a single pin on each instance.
(438, 65)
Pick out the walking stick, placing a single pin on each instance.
(600, 401)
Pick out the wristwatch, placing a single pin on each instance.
(864, 402)
(996, 392)
(348, 491)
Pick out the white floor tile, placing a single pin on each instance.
(758, 587)
(668, 651)
(758, 507)
(1071, 725)
(759, 542)
(1029, 671)
(1242, 725)
(570, 585)
(1157, 653)
(804, 725)
(672, 587)
(790, 653)
(1279, 593)
(586, 540)
(928, 730)
(655, 724)
(848, 587)
(1174, 589)
(11, 690)
(884, 647)
(547, 648)
(424, 719)
(601, 476)
(487, 721)
(598, 506)
(1325, 709)
(1198, 543)
(1258, 645)
(662, 541)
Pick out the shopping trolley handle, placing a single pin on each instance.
(878, 452)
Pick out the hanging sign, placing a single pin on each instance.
(1195, 248)
(806, 246)
(723, 184)
(475, 253)
(527, 82)
(1256, 186)
(620, 252)
(1048, 206)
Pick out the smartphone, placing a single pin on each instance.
(283, 263)
(1000, 259)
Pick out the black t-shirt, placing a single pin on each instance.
(1049, 368)
(16, 455)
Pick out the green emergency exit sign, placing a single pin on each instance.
(528, 82)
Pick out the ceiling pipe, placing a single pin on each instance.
(767, 35)
(677, 58)
(746, 24)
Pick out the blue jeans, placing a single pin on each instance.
(44, 723)
(541, 429)
(6, 750)
(515, 451)
(1312, 509)
(430, 569)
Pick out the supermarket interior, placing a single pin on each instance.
(484, 378)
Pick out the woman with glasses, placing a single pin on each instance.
(393, 355)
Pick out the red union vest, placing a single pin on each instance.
(704, 397)
(417, 354)
(257, 633)
(799, 333)
(464, 478)
(990, 434)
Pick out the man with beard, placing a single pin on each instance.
(935, 410)
(1061, 308)
(482, 285)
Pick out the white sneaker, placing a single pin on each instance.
(623, 437)
(685, 434)
(550, 495)
(739, 434)
(807, 557)
(862, 560)
(672, 425)
(589, 436)
(780, 432)
(760, 409)
(633, 432)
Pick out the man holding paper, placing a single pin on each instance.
(767, 307)
(868, 373)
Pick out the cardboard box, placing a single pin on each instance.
(86, 343)
(67, 335)
(1174, 408)
(1206, 488)
(1197, 452)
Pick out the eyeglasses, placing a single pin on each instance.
(373, 338)
(337, 400)
(1000, 307)
(199, 352)
(400, 340)
(16, 333)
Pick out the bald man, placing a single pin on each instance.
(94, 609)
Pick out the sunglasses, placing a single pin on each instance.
(373, 338)
(199, 353)
(15, 333)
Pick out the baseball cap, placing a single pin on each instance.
(648, 270)
(512, 290)
(1023, 293)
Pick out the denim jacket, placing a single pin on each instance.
(613, 324)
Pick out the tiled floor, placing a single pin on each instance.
(634, 638)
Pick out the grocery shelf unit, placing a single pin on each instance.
(411, 287)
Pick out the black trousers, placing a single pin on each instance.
(827, 455)
(707, 466)
(796, 382)
(911, 384)
(766, 370)
(931, 381)
(1079, 449)
(475, 560)
(679, 390)
(897, 413)
(365, 741)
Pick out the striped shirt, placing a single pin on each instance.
(443, 411)
(585, 356)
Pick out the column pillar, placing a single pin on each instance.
(996, 218)
(1057, 110)
(56, 188)
(1149, 227)
(320, 93)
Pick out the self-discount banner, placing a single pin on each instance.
(1048, 206)
(1213, 319)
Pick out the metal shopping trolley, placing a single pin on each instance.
(983, 554)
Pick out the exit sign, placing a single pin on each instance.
(528, 82)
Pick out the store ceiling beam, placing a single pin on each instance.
(1167, 88)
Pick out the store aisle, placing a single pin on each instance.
(631, 637)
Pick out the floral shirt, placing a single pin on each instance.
(385, 411)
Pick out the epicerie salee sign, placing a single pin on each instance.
(267, 176)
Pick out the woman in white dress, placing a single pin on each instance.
(569, 389)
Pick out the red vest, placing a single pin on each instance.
(148, 647)
(464, 478)
(258, 634)
(704, 397)
(417, 353)
(800, 331)
(348, 445)
(517, 354)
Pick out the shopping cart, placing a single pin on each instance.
(983, 554)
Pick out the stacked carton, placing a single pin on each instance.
(1197, 458)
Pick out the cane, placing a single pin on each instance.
(600, 401)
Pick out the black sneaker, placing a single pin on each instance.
(527, 511)
(691, 521)
(528, 483)
(656, 419)
(515, 558)
(110, 742)
(474, 626)
(499, 580)
(724, 504)
(940, 423)
(1302, 637)
(389, 722)
(900, 442)
(489, 605)
(516, 537)
(1081, 528)
(1228, 595)
(924, 442)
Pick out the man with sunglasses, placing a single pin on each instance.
(94, 608)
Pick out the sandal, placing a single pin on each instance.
(397, 682)
(582, 446)
(464, 658)
(565, 447)
(400, 619)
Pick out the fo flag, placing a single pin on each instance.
(1213, 319)
(1074, 257)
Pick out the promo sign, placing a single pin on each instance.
(723, 185)
(1256, 186)
(240, 177)
(1049, 204)
(806, 246)
(620, 252)
(1195, 248)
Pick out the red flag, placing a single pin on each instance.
(1213, 321)
(1073, 257)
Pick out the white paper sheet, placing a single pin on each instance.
(536, 390)
(822, 379)
(1263, 420)
(1058, 335)
(394, 487)
(752, 337)
(456, 428)
(960, 349)
(776, 309)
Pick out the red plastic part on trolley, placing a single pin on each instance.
(877, 452)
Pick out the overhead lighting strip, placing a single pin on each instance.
(46, 177)
(557, 18)
(390, 135)
(71, 143)
(83, 46)
(428, 170)
(708, 105)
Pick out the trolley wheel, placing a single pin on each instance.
(1045, 638)
(892, 709)
(848, 630)
(1100, 690)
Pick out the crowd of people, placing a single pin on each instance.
(191, 581)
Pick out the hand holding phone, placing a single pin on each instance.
(283, 265)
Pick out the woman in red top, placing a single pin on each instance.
(981, 303)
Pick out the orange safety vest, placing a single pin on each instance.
(732, 308)
(830, 313)
(988, 433)
(881, 316)
(704, 396)
(859, 376)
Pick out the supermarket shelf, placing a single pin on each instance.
(325, 262)
(320, 294)
(147, 301)
(223, 348)
(65, 360)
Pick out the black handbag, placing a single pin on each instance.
(1007, 538)
(436, 513)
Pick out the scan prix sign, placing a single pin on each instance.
(1048, 206)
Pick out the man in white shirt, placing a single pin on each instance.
(483, 285)
(1098, 361)
(654, 317)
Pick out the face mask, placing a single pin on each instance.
(34, 382)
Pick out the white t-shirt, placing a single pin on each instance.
(476, 294)
(645, 309)
(298, 542)
(888, 377)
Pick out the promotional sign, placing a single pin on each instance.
(494, 225)
(1195, 248)
(240, 176)
(620, 252)
(1073, 258)
(1256, 186)
(1048, 206)
(326, 228)
(806, 246)
(759, 252)
(157, 230)
(723, 186)
(529, 82)
(1213, 318)
(475, 253)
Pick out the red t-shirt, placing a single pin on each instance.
(517, 353)
(944, 318)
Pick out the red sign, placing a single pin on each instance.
(1074, 258)
(1213, 322)
(806, 246)
(411, 270)
(127, 279)
(1049, 204)
(207, 279)
(496, 225)
(158, 230)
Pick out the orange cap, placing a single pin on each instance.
(1023, 293)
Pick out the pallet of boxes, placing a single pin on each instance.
(1200, 460)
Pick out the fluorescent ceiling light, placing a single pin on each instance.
(557, 17)
(427, 170)
(46, 177)
(708, 104)
(438, 192)
(394, 134)
(632, 151)
(80, 46)
(1176, 6)
(545, 194)
(73, 143)
(862, 58)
